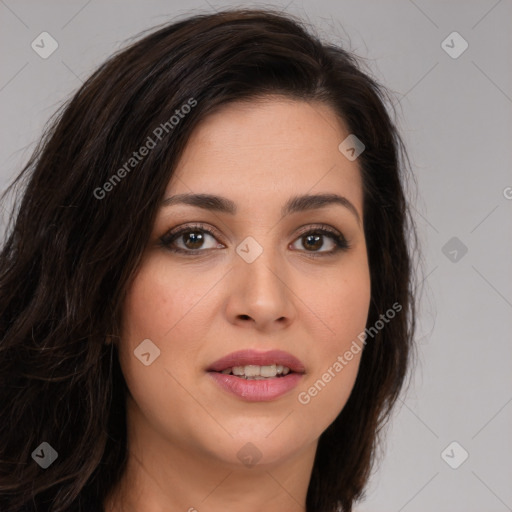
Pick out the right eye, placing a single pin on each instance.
(192, 238)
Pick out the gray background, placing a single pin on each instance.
(456, 118)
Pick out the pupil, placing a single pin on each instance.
(197, 239)
(315, 238)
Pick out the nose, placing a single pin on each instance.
(260, 294)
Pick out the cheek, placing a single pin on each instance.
(328, 387)
(344, 307)
(349, 299)
(154, 309)
(161, 299)
(157, 308)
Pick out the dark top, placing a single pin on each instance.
(93, 504)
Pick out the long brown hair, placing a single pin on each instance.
(69, 254)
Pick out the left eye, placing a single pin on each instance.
(315, 239)
(192, 239)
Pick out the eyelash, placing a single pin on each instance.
(339, 240)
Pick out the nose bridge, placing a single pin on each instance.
(258, 261)
(259, 273)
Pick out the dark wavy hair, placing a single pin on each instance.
(69, 256)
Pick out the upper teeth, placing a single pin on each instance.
(252, 370)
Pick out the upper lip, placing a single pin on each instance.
(254, 357)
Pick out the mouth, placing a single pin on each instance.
(256, 372)
(257, 376)
(251, 364)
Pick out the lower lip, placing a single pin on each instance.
(257, 390)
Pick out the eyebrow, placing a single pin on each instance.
(295, 204)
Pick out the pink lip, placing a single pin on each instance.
(257, 390)
(245, 357)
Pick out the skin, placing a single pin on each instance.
(184, 431)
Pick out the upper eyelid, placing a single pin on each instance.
(189, 227)
(306, 228)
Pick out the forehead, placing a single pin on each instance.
(246, 150)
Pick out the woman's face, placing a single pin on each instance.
(265, 280)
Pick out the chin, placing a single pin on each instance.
(265, 444)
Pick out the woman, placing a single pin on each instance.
(206, 292)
